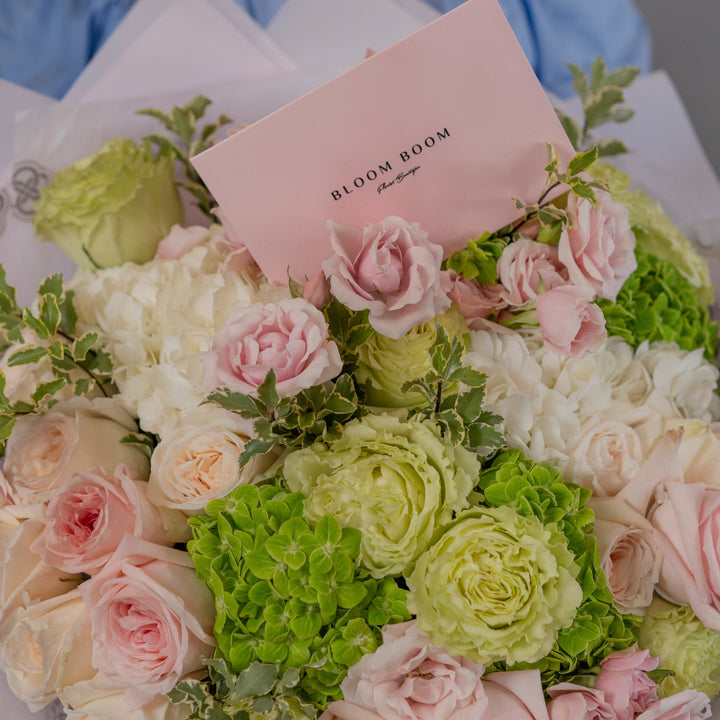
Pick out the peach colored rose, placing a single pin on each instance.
(685, 705)
(89, 515)
(151, 619)
(390, 269)
(575, 702)
(474, 300)
(408, 678)
(289, 337)
(599, 247)
(624, 681)
(570, 325)
(527, 267)
(75, 436)
(180, 241)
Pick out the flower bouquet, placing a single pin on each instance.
(408, 487)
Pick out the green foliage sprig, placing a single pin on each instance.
(288, 593)
(603, 101)
(455, 395)
(76, 361)
(599, 628)
(183, 122)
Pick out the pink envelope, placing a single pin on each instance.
(442, 128)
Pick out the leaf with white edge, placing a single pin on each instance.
(50, 313)
(254, 447)
(266, 391)
(571, 128)
(7, 423)
(82, 345)
(56, 350)
(198, 105)
(36, 325)
(44, 390)
(83, 386)
(27, 355)
(550, 234)
(582, 161)
(256, 680)
(160, 116)
(52, 285)
(580, 81)
(6, 289)
(606, 148)
(623, 77)
(622, 114)
(583, 191)
(599, 109)
(184, 125)
(598, 73)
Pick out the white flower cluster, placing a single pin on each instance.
(595, 417)
(157, 320)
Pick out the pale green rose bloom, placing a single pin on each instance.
(655, 232)
(495, 586)
(386, 364)
(395, 481)
(686, 646)
(114, 206)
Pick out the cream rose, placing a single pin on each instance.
(197, 461)
(75, 436)
(48, 646)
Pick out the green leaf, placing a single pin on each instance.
(160, 116)
(266, 390)
(607, 148)
(198, 105)
(623, 77)
(50, 313)
(572, 129)
(244, 405)
(7, 290)
(258, 679)
(36, 325)
(550, 234)
(622, 114)
(582, 161)
(7, 423)
(183, 125)
(580, 81)
(29, 354)
(52, 285)
(48, 389)
(598, 73)
(82, 345)
(599, 109)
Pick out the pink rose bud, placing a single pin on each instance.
(180, 241)
(390, 269)
(474, 300)
(570, 325)
(575, 702)
(289, 337)
(317, 290)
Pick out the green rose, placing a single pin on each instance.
(386, 364)
(395, 481)
(685, 645)
(495, 586)
(112, 207)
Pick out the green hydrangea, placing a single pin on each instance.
(385, 364)
(656, 233)
(396, 481)
(658, 303)
(289, 593)
(685, 645)
(495, 586)
(537, 490)
(112, 207)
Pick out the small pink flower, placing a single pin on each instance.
(474, 300)
(180, 241)
(685, 705)
(407, 678)
(599, 249)
(570, 325)
(390, 269)
(625, 683)
(523, 265)
(317, 290)
(90, 514)
(575, 702)
(289, 337)
(151, 618)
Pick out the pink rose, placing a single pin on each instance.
(624, 681)
(524, 265)
(408, 678)
(289, 337)
(575, 702)
(151, 617)
(391, 270)
(599, 248)
(181, 241)
(685, 705)
(87, 518)
(517, 694)
(317, 290)
(474, 300)
(570, 325)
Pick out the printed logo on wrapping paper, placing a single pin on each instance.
(21, 193)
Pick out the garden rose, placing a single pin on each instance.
(289, 337)
(685, 705)
(624, 681)
(527, 267)
(408, 678)
(495, 586)
(575, 702)
(197, 460)
(151, 619)
(598, 249)
(390, 269)
(474, 300)
(47, 647)
(397, 482)
(181, 240)
(88, 516)
(516, 694)
(75, 436)
(570, 324)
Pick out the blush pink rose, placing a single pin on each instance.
(524, 265)
(575, 702)
(90, 514)
(408, 678)
(317, 290)
(289, 337)
(625, 683)
(685, 705)
(390, 269)
(517, 694)
(474, 300)
(181, 241)
(151, 618)
(570, 325)
(599, 248)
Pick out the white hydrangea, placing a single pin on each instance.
(157, 320)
